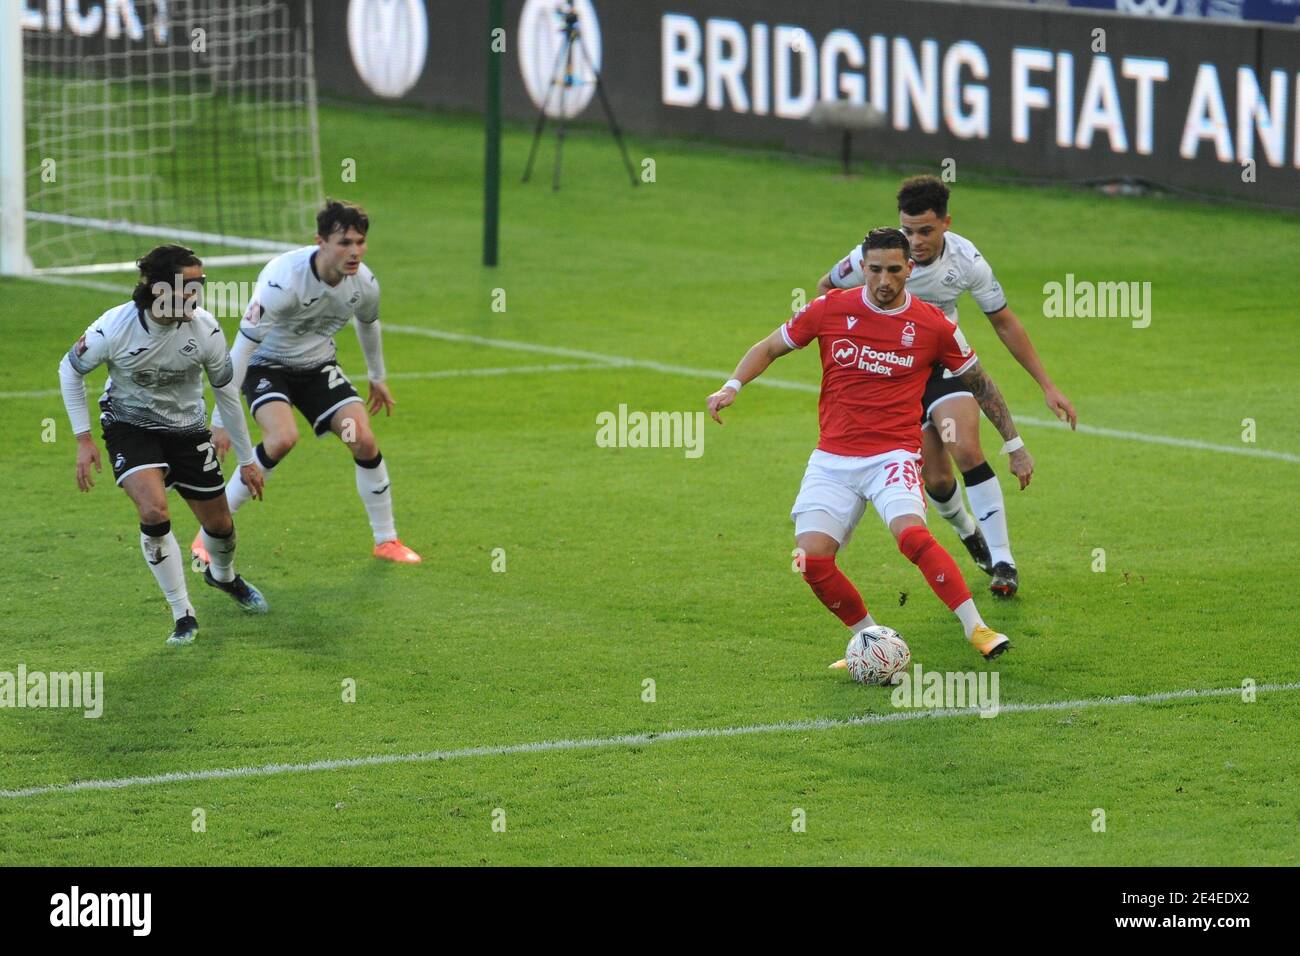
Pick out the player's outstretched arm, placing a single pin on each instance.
(227, 399)
(1015, 337)
(372, 347)
(240, 355)
(754, 364)
(995, 408)
(825, 284)
(73, 387)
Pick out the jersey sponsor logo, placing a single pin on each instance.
(155, 377)
(254, 314)
(80, 348)
(389, 42)
(908, 337)
(852, 321)
(541, 39)
(845, 267)
(844, 352)
(848, 354)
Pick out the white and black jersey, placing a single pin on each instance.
(293, 315)
(958, 268)
(154, 370)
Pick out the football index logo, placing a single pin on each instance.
(844, 352)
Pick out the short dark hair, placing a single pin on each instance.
(160, 264)
(922, 193)
(340, 215)
(886, 237)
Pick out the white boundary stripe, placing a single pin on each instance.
(1164, 440)
(437, 373)
(624, 740)
(507, 370)
(721, 376)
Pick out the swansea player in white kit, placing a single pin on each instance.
(877, 346)
(284, 357)
(946, 265)
(155, 423)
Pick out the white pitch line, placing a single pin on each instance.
(437, 373)
(771, 382)
(624, 740)
(505, 370)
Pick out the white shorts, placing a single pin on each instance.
(836, 489)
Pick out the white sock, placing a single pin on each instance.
(954, 511)
(377, 495)
(163, 556)
(237, 493)
(968, 615)
(990, 510)
(867, 621)
(221, 555)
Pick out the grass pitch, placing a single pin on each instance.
(628, 565)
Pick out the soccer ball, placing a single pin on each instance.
(875, 654)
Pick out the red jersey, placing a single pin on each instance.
(875, 364)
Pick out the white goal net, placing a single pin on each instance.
(191, 121)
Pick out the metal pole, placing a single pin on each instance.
(492, 138)
(13, 200)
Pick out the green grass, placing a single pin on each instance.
(624, 565)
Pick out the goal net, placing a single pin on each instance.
(190, 121)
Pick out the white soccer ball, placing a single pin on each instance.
(875, 654)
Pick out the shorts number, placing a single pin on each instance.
(210, 459)
(908, 474)
(337, 377)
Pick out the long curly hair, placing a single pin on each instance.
(160, 264)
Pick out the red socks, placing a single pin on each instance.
(940, 570)
(833, 589)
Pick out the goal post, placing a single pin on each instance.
(13, 233)
(126, 125)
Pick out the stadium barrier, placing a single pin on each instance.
(1077, 95)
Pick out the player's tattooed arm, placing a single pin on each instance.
(995, 408)
(990, 401)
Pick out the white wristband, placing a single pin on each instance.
(1013, 444)
(733, 383)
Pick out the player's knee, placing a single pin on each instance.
(219, 526)
(818, 567)
(968, 455)
(154, 514)
(365, 447)
(936, 472)
(280, 444)
(914, 541)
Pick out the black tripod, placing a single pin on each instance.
(562, 78)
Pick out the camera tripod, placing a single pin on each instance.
(563, 77)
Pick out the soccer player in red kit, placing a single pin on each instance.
(878, 345)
